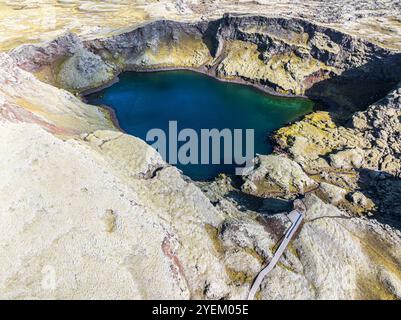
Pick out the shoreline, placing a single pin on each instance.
(202, 70)
(207, 72)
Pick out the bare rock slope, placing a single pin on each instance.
(89, 212)
(37, 20)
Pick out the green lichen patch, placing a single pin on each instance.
(213, 233)
(380, 253)
(239, 277)
(372, 289)
(110, 221)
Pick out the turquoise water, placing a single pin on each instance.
(143, 101)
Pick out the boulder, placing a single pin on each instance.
(347, 159)
(277, 174)
(332, 193)
(84, 70)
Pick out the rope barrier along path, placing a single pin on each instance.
(296, 218)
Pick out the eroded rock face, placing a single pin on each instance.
(289, 56)
(331, 193)
(26, 99)
(334, 256)
(347, 159)
(286, 56)
(361, 156)
(278, 175)
(376, 20)
(82, 70)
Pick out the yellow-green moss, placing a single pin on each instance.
(252, 252)
(213, 233)
(239, 277)
(372, 289)
(317, 126)
(291, 37)
(286, 70)
(286, 267)
(258, 295)
(378, 250)
(49, 73)
(292, 249)
(110, 221)
(188, 51)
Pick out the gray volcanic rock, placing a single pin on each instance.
(359, 199)
(84, 70)
(380, 125)
(376, 20)
(290, 56)
(279, 175)
(273, 57)
(362, 156)
(347, 159)
(333, 193)
(33, 57)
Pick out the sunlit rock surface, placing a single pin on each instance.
(36, 20)
(89, 212)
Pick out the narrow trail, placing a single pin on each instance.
(296, 217)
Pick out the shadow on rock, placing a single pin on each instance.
(265, 206)
(357, 88)
(384, 190)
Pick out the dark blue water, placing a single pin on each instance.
(143, 101)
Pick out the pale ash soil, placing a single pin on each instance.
(36, 20)
(110, 219)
